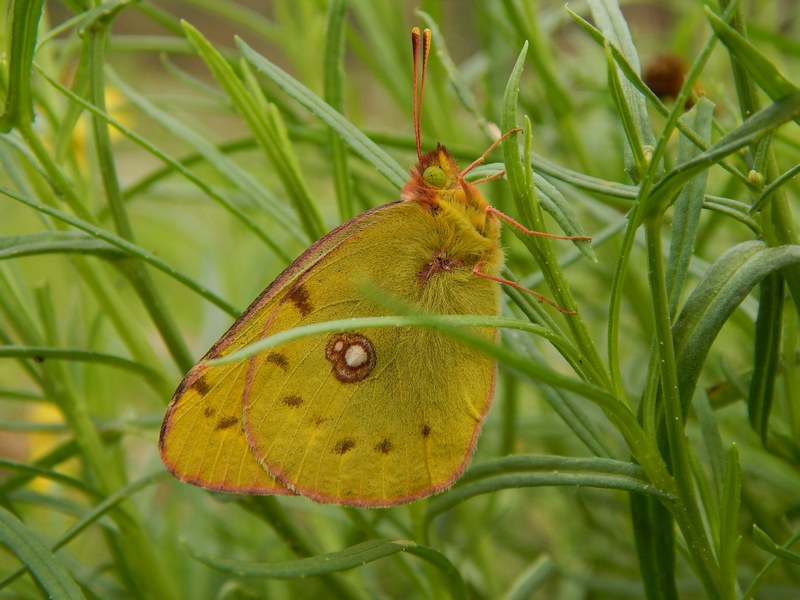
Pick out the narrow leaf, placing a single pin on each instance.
(688, 205)
(333, 562)
(725, 285)
(654, 531)
(55, 242)
(763, 540)
(46, 569)
(759, 67)
(729, 537)
(767, 353)
(267, 127)
(611, 22)
(352, 136)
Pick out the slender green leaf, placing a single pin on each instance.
(654, 531)
(611, 22)
(124, 245)
(729, 536)
(638, 162)
(334, 96)
(763, 70)
(774, 186)
(267, 127)
(332, 562)
(55, 242)
(42, 353)
(726, 284)
(763, 540)
(360, 143)
(767, 354)
(534, 578)
(756, 127)
(22, 29)
(688, 205)
(51, 575)
(522, 470)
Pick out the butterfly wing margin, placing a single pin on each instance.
(202, 438)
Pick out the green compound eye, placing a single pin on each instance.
(435, 177)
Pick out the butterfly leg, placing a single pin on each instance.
(477, 271)
(491, 210)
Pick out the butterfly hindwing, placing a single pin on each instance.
(379, 416)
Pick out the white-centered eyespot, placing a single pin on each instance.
(351, 355)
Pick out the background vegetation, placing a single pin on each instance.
(158, 173)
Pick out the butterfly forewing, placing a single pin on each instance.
(202, 437)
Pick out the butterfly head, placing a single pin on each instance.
(436, 178)
(436, 184)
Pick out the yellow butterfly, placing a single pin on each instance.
(370, 418)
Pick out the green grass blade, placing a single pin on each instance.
(729, 537)
(611, 22)
(726, 284)
(762, 540)
(267, 127)
(767, 359)
(50, 574)
(534, 578)
(126, 246)
(39, 354)
(763, 71)
(22, 31)
(360, 143)
(333, 562)
(334, 97)
(520, 471)
(55, 242)
(688, 206)
(654, 532)
(756, 127)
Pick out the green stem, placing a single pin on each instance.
(685, 509)
(95, 42)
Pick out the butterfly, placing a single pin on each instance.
(368, 418)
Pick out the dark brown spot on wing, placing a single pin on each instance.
(318, 420)
(227, 422)
(344, 445)
(276, 358)
(292, 401)
(426, 430)
(200, 386)
(384, 446)
(209, 411)
(300, 298)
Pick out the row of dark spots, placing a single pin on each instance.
(385, 446)
(224, 422)
(200, 385)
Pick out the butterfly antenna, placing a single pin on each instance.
(419, 43)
